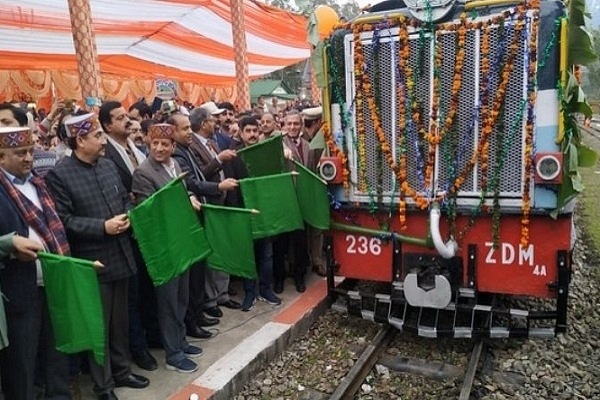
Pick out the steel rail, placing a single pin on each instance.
(365, 363)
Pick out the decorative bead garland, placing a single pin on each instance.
(434, 135)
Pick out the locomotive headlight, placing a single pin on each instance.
(327, 170)
(548, 168)
(330, 169)
(429, 10)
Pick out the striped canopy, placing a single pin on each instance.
(188, 40)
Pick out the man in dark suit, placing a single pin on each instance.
(173, 296)
(27, 209)
(198, 185)
(294, 243)
(314, 134)
(92, 203)
(122, 151)
(225, 114)
(263, 248)
(214, 164)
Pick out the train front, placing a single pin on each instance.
(449, 168)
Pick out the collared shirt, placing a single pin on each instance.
(15, 180)
(208, 147)
(170, 168)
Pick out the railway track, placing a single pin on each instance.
(372, 355)
(590, 131)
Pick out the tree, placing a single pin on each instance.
(591, 84)
(292, 74)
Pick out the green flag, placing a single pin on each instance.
(312, 198)
(229, 232)
(73, 296)
(169, 233)
(275, 198)
(264, 158)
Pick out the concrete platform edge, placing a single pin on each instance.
(310, 305)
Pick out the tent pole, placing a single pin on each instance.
(238, 28)
(85, 48)
(315, 93)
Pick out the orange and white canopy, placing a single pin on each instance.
(188, 40)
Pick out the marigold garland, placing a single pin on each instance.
(402, 62)
(337, 152)
(434, 135)
(359, 62)
(529, 128)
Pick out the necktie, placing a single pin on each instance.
(131, 157)
(210, 146)
(211, 149)
(298, 143)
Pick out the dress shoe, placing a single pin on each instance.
(232, 304)
(278, 287)
(197, 332)
(108, 396)
(206, 321)
(133, 381)
(145, 360)
(214, 312)
(300, 286)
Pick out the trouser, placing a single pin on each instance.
(172, 301)
(31, 337)
(196, 297)
(114, 296)
(315, 249)
(148, 310)
(294, 245)
(216, 287)
(263, 253)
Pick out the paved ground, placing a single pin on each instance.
(243, 341)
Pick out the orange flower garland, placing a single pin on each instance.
(359, 61)
(337, 152)
(491, 114)
(402, 61)
(434, 134)
(529, 128)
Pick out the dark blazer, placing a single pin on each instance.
(195, 180)
(115, 157)
(209, 165)
(238, 171)
(289, 142)
(86, 196)
(224, 141)
(149, 177)
(18, 278)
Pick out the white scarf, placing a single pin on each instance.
(139, 156)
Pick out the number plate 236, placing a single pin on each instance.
(363, 245)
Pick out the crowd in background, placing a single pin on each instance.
(135, 151)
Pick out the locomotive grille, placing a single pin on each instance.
(456, 150)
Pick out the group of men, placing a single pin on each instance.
(80, 209)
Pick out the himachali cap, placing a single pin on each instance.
(161, 131)
(14, 137)
(82, 125)
(312, 113)
(212, 108)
